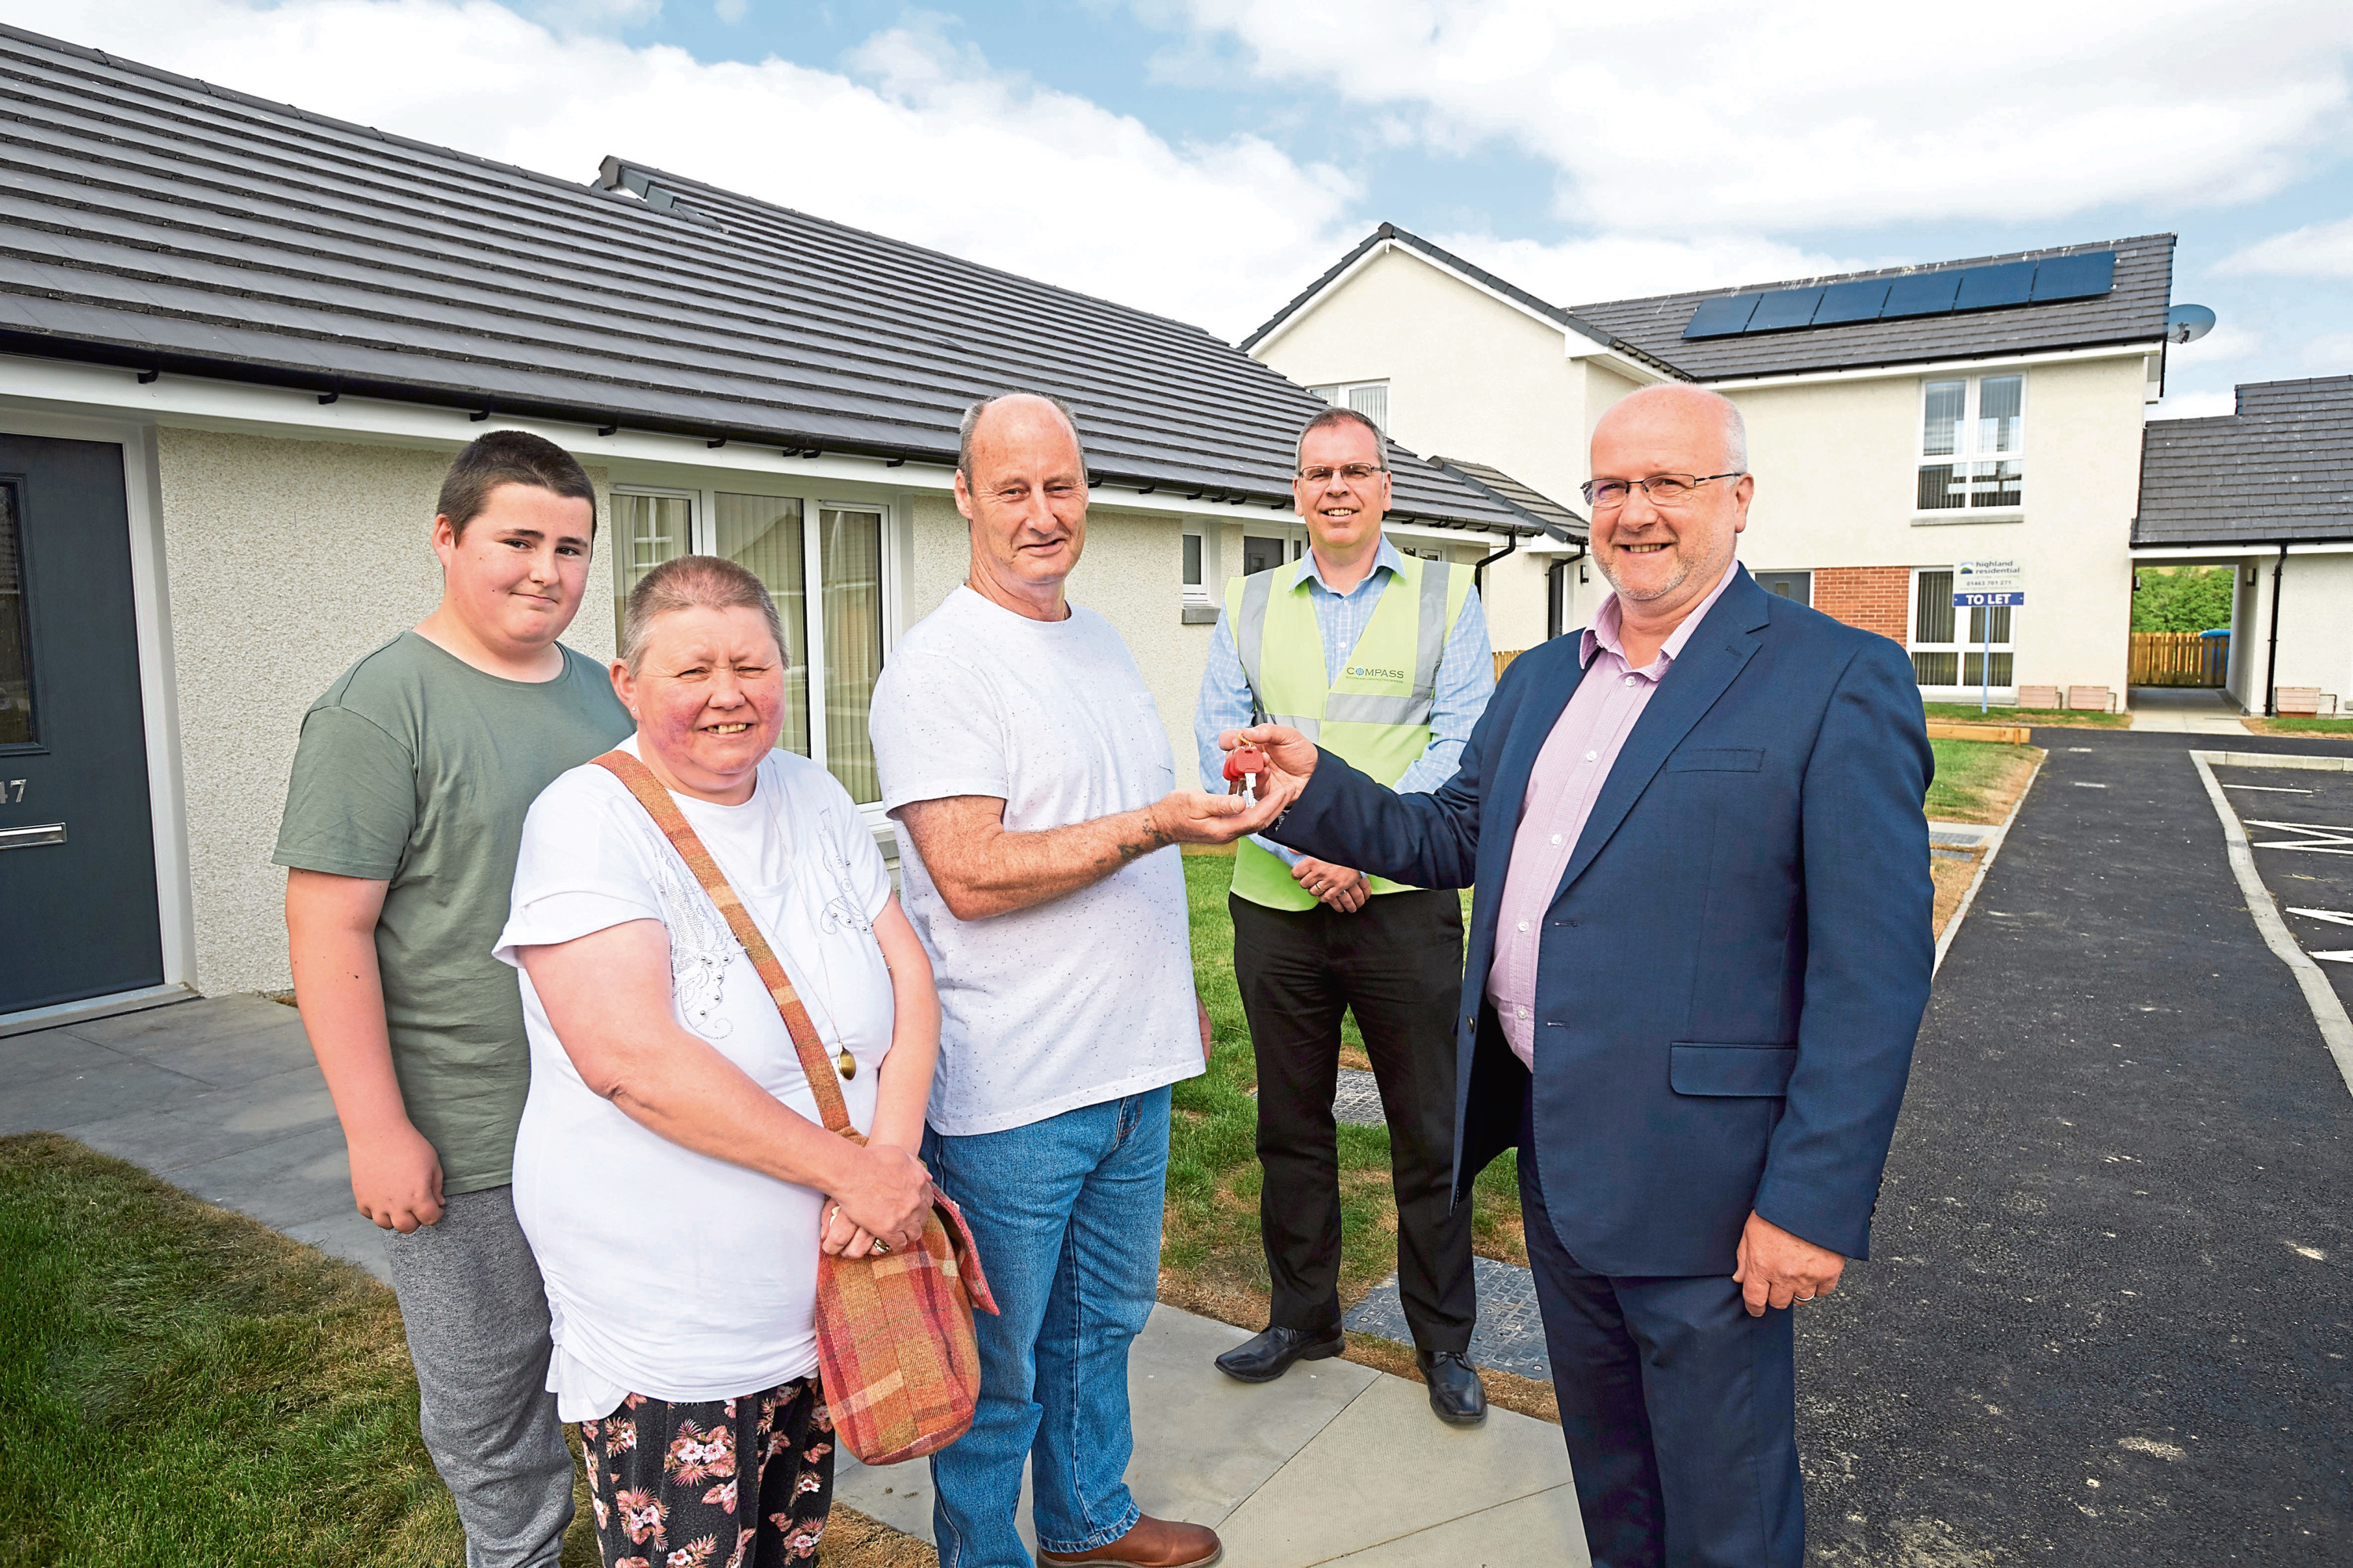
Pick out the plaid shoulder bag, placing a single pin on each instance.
(896, 1346)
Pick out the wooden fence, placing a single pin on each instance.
(1502, 660)
(2178, 659)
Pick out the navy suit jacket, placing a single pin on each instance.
(1732, 969)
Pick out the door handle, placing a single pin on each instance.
(26, 838)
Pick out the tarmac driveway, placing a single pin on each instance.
(2107, 1317)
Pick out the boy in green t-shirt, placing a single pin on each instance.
(402, 818)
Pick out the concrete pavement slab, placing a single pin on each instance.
(1539, 1531)
(350, 1235)
(1204, 1442)
(223, 1039)
(205, 1126)
(305, 1177)
(1385, 1468)
(65, 1085)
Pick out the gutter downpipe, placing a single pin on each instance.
(2271, 664)
(1479, 567)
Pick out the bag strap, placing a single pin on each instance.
(815, 1065)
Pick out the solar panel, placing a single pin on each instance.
(2082, 277)
(1725, 316)
(1983, 288)
(1921, 294)
(1785, 308)
(1856, 301)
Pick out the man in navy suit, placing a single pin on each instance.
(1700, 951)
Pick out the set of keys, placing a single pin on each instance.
(1244, 765)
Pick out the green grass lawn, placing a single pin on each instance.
(181, 1385)
(1211, 1257)
(1977, 780)
(2302, 725)
(2048, 718)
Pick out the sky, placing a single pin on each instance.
(1208, 159)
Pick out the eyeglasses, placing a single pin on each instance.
(1355, 474)
(1663, 489)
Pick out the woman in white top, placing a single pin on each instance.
(671, 1171)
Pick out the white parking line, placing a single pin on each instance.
(2318, 837)
(2269, 789)
(2327, 1011)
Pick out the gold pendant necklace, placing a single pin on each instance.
(848, 1063)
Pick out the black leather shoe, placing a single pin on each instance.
(1456, 1394)
(1270, 1355)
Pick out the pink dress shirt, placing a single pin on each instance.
(1568, 775)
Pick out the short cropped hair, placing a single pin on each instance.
(1337, 415)
(693, 582)
(511, 457)
(972, 422)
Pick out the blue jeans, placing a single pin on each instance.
(1066, 1214)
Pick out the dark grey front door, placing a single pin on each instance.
(78, 915)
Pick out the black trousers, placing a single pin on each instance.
(1680, 1410)
(1397, 963)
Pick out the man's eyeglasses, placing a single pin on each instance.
(1355, 474)
(1663, 489)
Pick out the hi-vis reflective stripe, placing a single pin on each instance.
(1354, 707)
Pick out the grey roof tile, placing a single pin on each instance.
(1651, 329)
(1558, 519)
(2280, 470)
(146, 219)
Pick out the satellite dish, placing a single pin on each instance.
(2187, 324)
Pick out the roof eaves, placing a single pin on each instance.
(1539, 524)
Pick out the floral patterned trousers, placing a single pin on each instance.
(722, 1483)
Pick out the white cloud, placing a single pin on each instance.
(2193, 405)
(1688, 117)
(2315, 250)
(732, 11)
(2331, 355)
(917, 138)
(2225, 343)
(1619, 266)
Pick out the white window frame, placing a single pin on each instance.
(1195, 593)
(703, 540)
(1346, 394)
(1966, 454)
(1962, 644)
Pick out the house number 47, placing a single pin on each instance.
(12, 792)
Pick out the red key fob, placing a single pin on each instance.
(1243, 764)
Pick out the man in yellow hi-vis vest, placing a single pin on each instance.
(1382, 657)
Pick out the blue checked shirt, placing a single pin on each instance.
(1466, 679)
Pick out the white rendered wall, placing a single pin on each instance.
(1836, 487)
(2315, 628)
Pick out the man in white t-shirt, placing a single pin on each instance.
(1032, 784)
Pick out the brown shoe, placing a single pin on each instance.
(1150, 1543)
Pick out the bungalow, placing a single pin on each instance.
(1900, 421)
(239, 343)
(2249, 489)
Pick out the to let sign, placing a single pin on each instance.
(1977, 584)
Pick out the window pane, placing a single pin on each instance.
(1932, 610)
(2002, 399)
(1329, 394)
(646, 531)
(1970, 673)
(1938, 491)
(1943, 418)
(16, 645)
(2001, 613)
(1795, 586)
(763, 533)
(1994, 484)
(850, 557)
(1192, 560)
(1372, 402)
(1935, 669)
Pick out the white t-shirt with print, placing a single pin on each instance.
(669, 1273)
(1085, 998)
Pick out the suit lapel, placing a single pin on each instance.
(1717, 651)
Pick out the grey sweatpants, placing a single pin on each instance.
(476, 1313)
